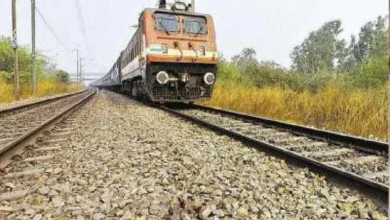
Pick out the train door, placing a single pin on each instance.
(141, 45)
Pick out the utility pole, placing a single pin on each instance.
(78, 66)
(81, 71)
(33, 54)
(14, 45)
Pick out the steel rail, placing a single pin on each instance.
(30, 135)
(362, 144)
(378, 190)
(34, 104)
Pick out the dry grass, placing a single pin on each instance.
(45, 88)
(357, 112)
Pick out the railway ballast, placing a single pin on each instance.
(124, 160)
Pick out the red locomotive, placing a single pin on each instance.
(172, 57)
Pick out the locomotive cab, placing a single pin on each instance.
(180, 54)
(172, 57)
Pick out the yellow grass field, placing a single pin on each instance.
(352, 111)
(45, 88)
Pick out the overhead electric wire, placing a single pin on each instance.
(51, 30)
(81, 22)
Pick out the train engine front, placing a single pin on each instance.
(180, 54)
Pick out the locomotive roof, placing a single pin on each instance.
(174, 12)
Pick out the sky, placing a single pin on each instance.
(102, 28)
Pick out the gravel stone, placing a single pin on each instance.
(38, 217)
(207, 211)
(242, 212)
(120, 213)
(98, 216)
(77, 212)
(343, 157)
(185, 216)
(10, 185)
(30, 212)
(58, 202)
(219, 213)
(123, 160)
(57, 171)
(44, 190)
(6, 209)
(106, 197)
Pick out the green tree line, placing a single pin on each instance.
(45, 68)
(322, 58)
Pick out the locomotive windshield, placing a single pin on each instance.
(195, 25)
(165, 22)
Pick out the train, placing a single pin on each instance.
(172, 57)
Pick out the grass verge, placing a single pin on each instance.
(361, 112)
(45, 88)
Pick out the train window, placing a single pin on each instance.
(166, 22)
(195, 25)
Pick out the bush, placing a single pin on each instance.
(50, 80)
(62, 76)
(45, 88)
(374, 73)
(5, 76)
(25, 61)
(228, 72)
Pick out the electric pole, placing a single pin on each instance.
(81, 71)
(14, 45)
(34, 74)
(78, 66)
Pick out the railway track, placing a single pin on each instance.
(23, 107)
(355, 161)
(20, 126)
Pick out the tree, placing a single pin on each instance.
(323, 52)
(370, 45)
(372, 41)
(246, 62)
(6, 55)
(248, 55)
(25, 60)
(320, 50)
(62, 76)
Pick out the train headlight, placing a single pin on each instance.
(209, 78)
(179, 6)
(162, 77)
